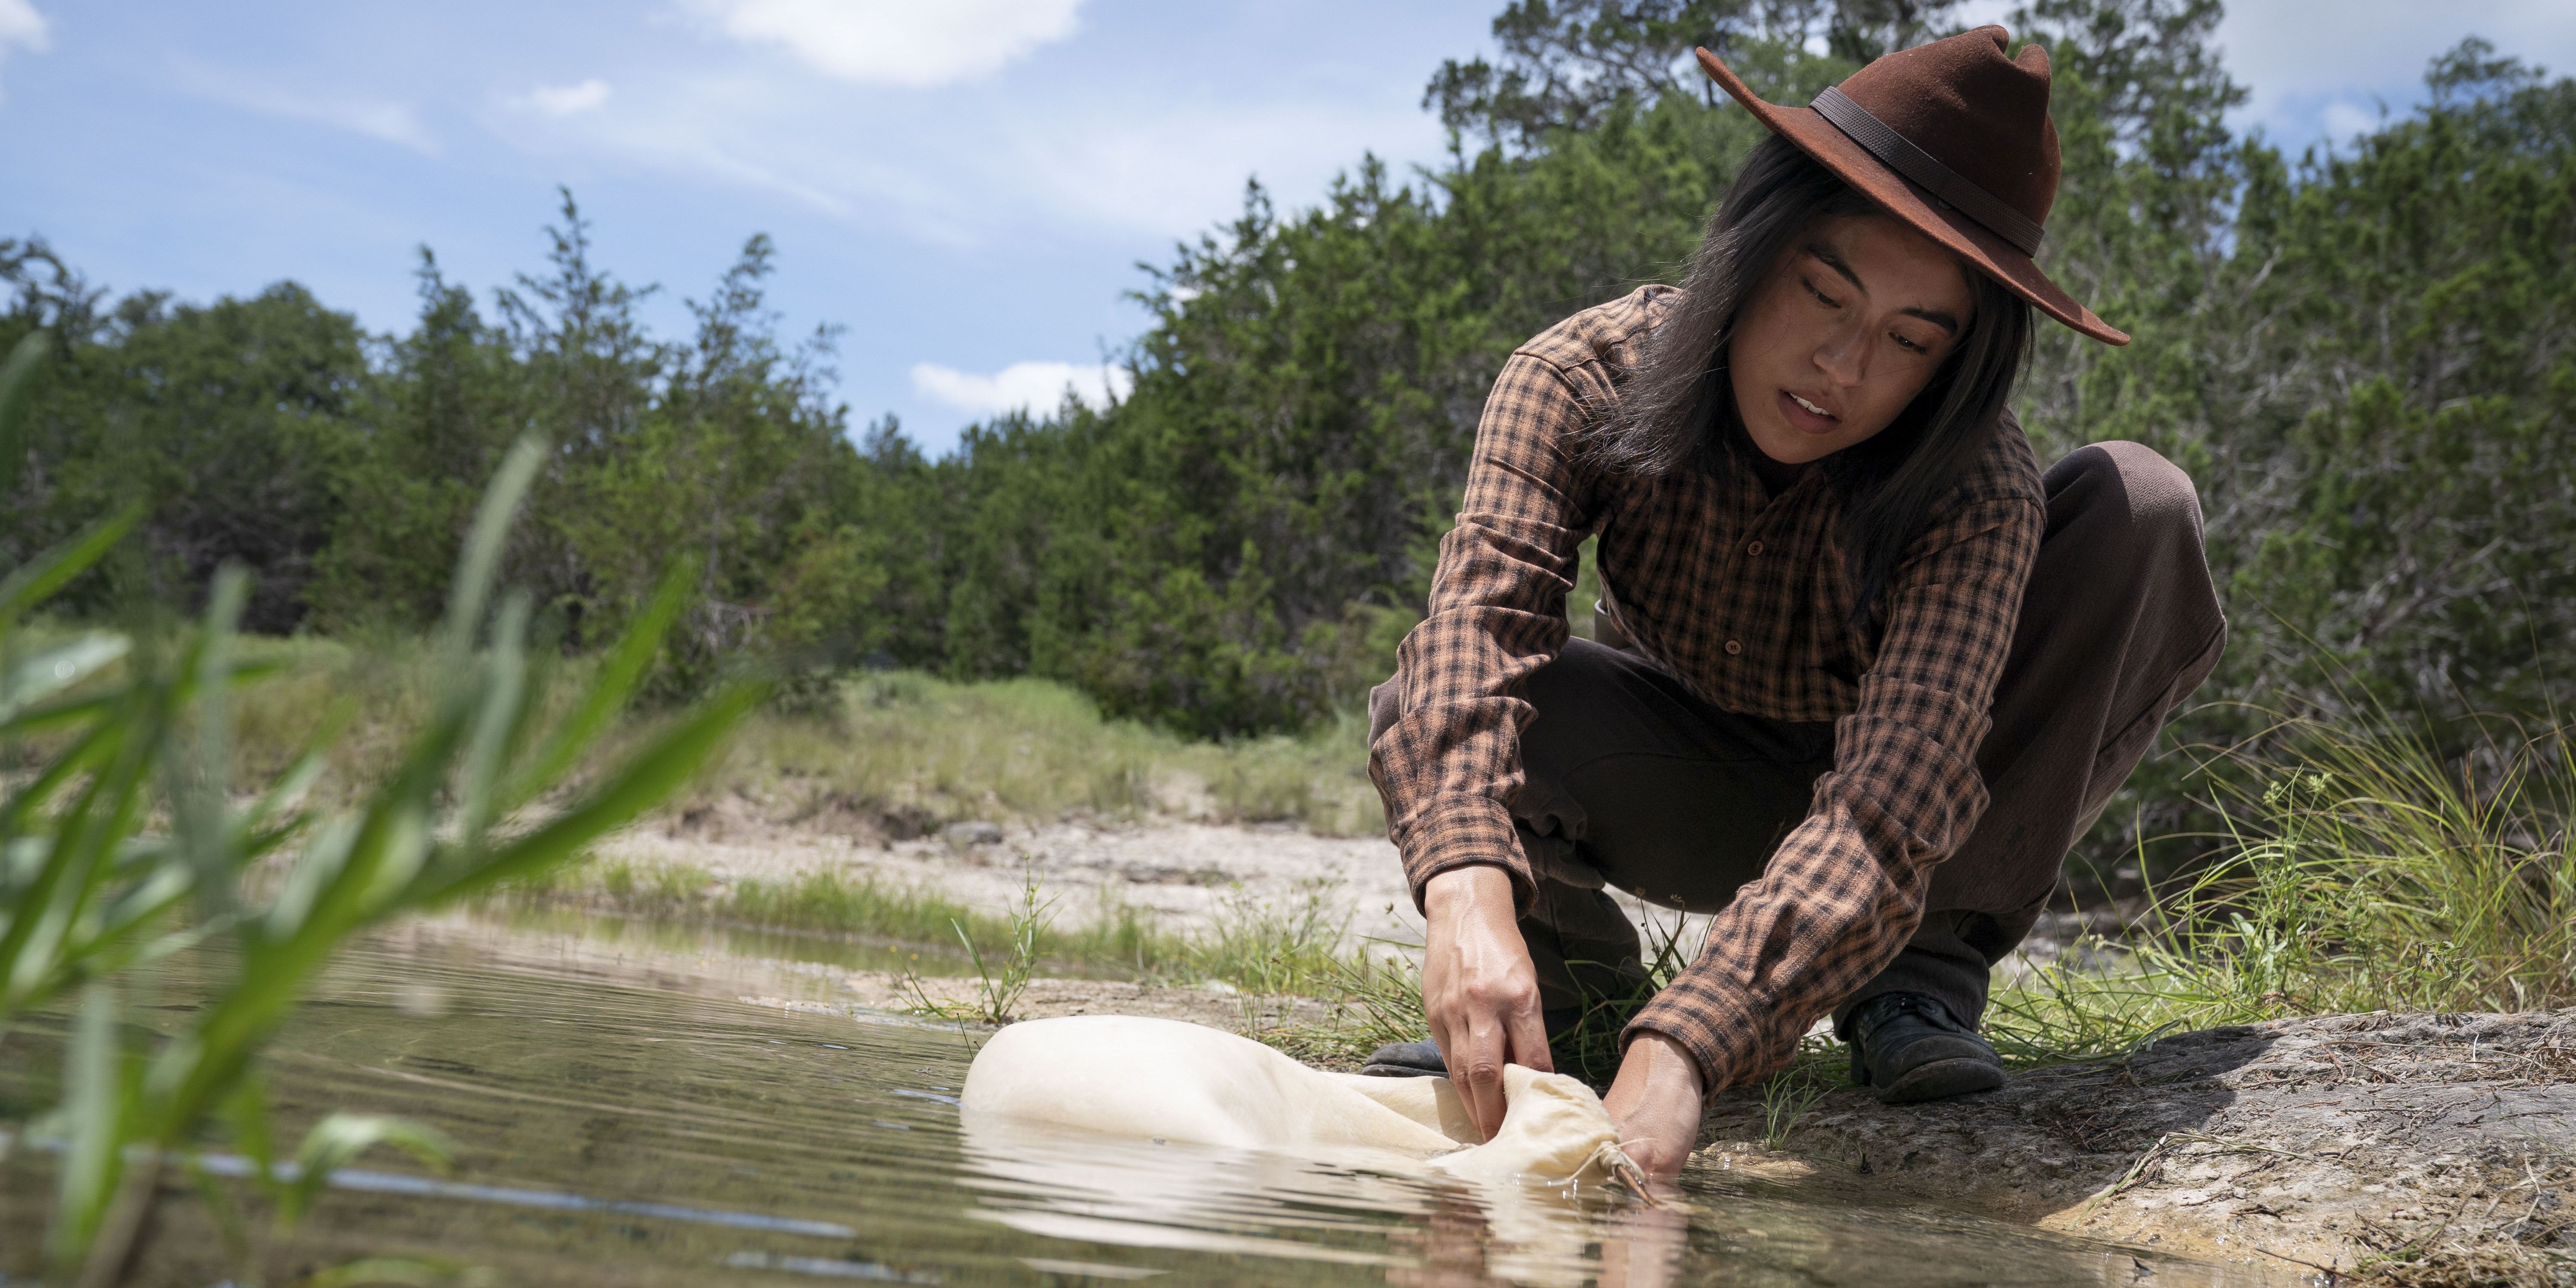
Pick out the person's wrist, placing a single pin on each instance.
(1657, 1077)
(1671, 1064)
(1460, 889)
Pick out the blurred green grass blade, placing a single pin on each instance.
(668, 762)
(37, 579)
(94, 1123)
(344, 879)
(339, 1138)
(43, 909)
(30, 800)
(505, 692)
(479, 564)
(48, 717)
(253, 834)
(50, 671)
(618, 674)
(246, 1110)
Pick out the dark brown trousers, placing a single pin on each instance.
(1633, 783)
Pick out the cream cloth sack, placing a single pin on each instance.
(1170, 1080)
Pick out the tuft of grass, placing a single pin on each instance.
(1788, 1094)
(2361, 872)
(1378, 999)
(1000, 980)
(1267, 950)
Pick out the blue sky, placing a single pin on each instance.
(965, 185)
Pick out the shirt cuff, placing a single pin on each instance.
(1461, 831)
(1712, 1028)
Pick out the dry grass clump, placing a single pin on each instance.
(2364, 872)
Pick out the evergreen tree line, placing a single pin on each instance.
(2365, 354)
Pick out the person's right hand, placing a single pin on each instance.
(1478, 988)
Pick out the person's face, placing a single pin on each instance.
(1851, 324)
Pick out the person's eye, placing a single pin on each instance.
(1908, 345)
(1822, 298)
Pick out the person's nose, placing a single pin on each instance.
(1844, 357)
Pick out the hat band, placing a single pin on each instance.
(1923, 168)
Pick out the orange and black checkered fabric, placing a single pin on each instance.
(1744, 596)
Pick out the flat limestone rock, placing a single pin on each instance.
(2415, 1143)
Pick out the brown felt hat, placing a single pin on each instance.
(1952, 137)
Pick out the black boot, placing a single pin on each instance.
(1422, 1059)
(1907, 1046)
(1407, 1060)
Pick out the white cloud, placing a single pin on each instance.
(1173, 170)
(910, 43)
(969, 166)
(567, 100)
(22, 26)
(2310, 62)
(374, 118)
(1034, 387)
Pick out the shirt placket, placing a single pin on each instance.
(1761, 518)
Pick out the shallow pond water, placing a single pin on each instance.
(616, 1134)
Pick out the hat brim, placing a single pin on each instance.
(1908, 201)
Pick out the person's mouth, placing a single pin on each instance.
(1807, 415)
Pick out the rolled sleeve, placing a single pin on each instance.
(1449, 765)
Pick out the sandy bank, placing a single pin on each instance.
(1183, 872)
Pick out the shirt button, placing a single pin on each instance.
(1733, 648)
(1754, 549)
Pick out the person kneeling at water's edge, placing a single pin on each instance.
(1865, 671)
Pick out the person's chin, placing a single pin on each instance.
(1786, 446)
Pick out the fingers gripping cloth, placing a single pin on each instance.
(1169, 1080)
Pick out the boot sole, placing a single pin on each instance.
(1940, 1080)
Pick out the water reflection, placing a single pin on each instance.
(621, 1135)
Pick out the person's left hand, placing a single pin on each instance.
(1655, 1103)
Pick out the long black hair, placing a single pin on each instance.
(1678, 406)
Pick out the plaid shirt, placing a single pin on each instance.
(1743, 595)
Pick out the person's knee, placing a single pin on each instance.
(1385, 707)
(1576, 678)
(2144, 501)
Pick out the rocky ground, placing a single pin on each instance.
(2415, 1149)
